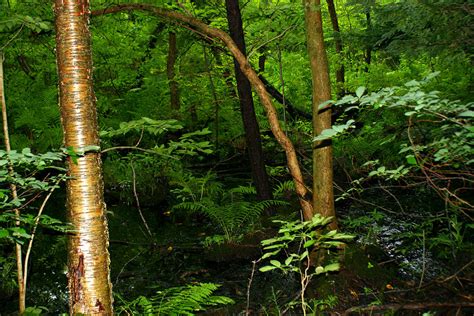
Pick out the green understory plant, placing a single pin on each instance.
(183, 300)
(300, 248)
(27, 177)
(152, 150)
(233, 210)
(434, 139)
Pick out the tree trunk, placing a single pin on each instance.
(18, 248)
(252, 130)
(170, 71)
(90, 289)
(340, 72)
(323, 196)
(202, 28)
(368, 50)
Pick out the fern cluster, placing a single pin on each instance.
(183, 300)
(231, 209)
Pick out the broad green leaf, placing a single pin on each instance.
(360, 92)
(309, 243)
(325, 134)
(468, 113)
(276, 263)
(266, 268)
(332, 267)
(304, 255)
(325, 104)
(269, 254)
(411, 160)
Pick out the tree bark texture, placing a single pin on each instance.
(251, 128)
(323, 196)
(90, 289)
(170, 71)
(249, 72)
(340, 71)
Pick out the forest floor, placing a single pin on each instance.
(377, 276)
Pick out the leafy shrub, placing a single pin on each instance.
(297, 242)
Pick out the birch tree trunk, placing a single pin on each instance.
(90, 289)
(323, 195)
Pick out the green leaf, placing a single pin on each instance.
(325, 134)
(411, 160)
(273, 246)
(276, 263)
(325, 105)
(4, 233)
(309, 243)
(343, 236)
(319, 270)
(266, 268)
(360, 92)
(269, 254)
(304, 255)
(332, 267)
(268, 241)
(468, 113)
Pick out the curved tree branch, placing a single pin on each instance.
(199, 26)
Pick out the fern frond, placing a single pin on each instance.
(243, 190)
(282, 187)
(192, 207)
(184, 300)
(154, 127)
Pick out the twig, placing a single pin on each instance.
(35, 227)
(270, 40)
(393, 196)
(424, 262)
(126, 263)
(457, 272)
(12, 38)
(140, 139)
(138, 201)
(247, 308)
(280, 70)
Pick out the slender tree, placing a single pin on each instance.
(340, 71)
(252, 130)
(323, 195)
(368, 48)
(90, 289)
(18, 248)
(170, 70)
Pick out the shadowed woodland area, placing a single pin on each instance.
(226, 157)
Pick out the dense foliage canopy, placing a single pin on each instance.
(186, 217)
